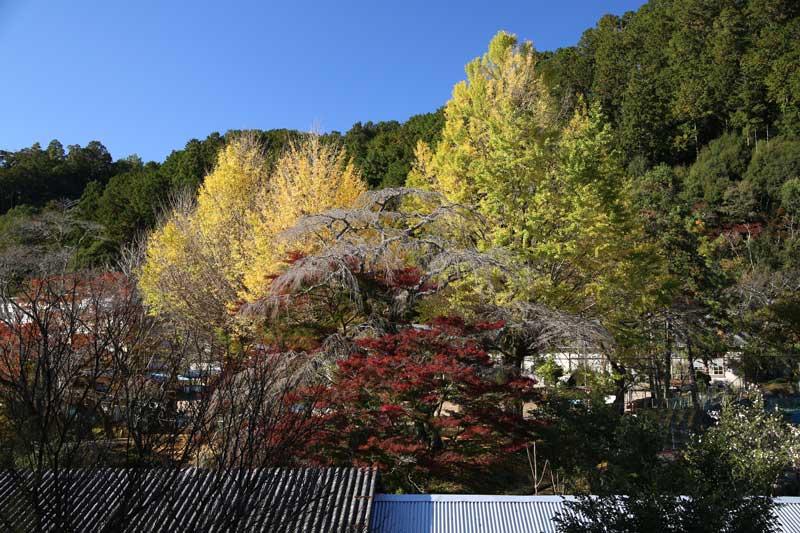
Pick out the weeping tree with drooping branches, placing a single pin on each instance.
(396, 257)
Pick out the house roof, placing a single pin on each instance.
(161, 500)
(496, 514)
(275, 500)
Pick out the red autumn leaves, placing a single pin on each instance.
(425, 401)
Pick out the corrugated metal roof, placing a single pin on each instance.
(162, 500)
(497, 514)
(788, 511)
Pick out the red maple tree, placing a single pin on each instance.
(425, 404)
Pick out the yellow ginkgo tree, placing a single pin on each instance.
(212, 253)
(310, 177)
(553, 190)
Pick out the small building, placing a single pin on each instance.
(570, 361)
(720, 370)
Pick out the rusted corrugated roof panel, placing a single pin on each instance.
(162, 500)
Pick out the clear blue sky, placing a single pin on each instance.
(145, 76)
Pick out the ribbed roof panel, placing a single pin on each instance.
(160, 500)
(497, 514)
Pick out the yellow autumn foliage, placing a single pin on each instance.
(311, 177)
(211, 254)
(494, 153)
(555, 195)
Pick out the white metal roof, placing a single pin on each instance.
(438, 513)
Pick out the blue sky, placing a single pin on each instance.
(145, 76)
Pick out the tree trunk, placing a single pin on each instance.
(692, 376)
(620, 385)
(108, 426)
(655, 383)
(515, 357)
(667, 361)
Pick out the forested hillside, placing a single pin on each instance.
(116, 201)
(671, 78)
